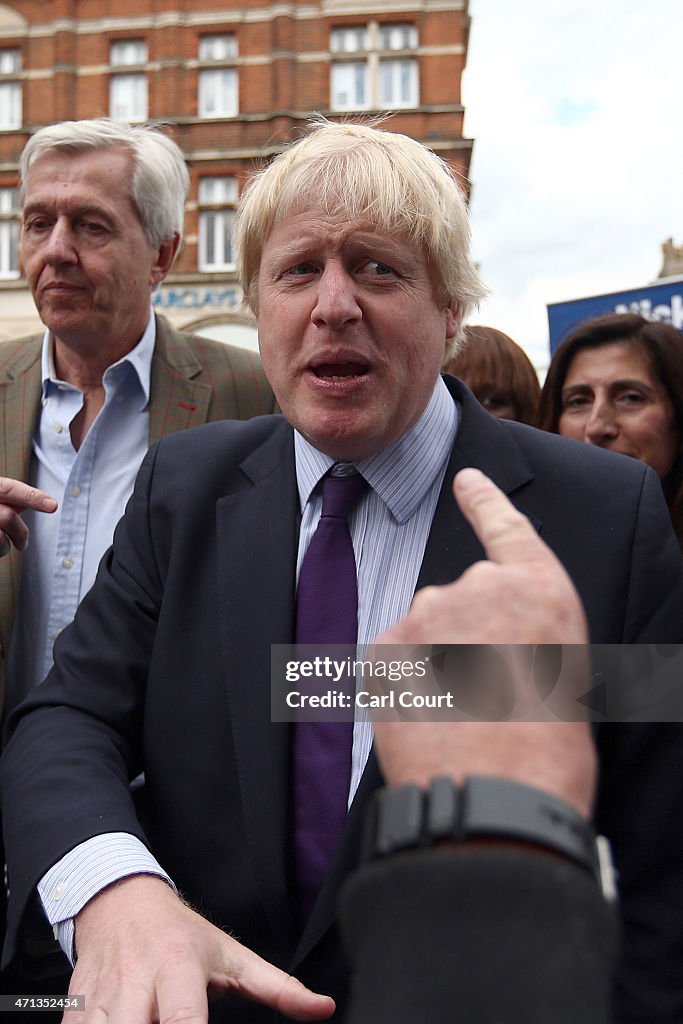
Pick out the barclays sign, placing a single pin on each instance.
(197, 298)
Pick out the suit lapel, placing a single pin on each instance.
(261, 569)
(178, 400)
(20, 381)
(486, 444)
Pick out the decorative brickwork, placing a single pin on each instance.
(234, 98)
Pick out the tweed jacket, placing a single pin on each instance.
(194, 380)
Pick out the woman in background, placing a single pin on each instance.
(499, 374)
(617, 382)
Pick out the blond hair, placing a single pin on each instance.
(390, 180)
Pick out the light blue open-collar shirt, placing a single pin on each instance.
(92, 486)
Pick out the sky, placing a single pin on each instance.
(576, 109)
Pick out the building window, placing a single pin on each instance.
(128, 98)
(351, 39)
(127, 52)
(10, 62)
(10, 105)
(398, 83)
(217, 198)
(397, 37)
(218, 93)
(217, 47)
(218, 86)
(128, 90)
(378, 81)
(350, 85)
(9, 233)
(10, 92)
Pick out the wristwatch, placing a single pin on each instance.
(409, 817)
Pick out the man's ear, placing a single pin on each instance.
(453, 317)
(165, 257)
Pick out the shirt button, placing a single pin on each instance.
(75, 491)
(58, 428)
(68, 563)
(44, 402)
(59, 891)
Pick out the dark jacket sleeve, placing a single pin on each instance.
(478, 936)
(74, 744)
(640, 795)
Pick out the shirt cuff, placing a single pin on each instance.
(86, 870)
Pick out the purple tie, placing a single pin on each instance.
(326, 613)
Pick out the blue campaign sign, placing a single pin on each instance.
(654, 302)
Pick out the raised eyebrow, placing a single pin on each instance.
(298, 251)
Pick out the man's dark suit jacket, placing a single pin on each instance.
(167, 668)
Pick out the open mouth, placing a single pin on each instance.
(339, 371)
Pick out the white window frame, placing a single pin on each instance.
(218, 92)
(124, 52)
(218, 46)
(349, 39)
(349, 85)
(375, 80)
(10, 60)
(401, 36)
(11, 105)
(217, 197)
(128, 100)
(9, 234)
(401, 75)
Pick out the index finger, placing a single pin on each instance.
(507, 535)
(21, 496)
(257, 979)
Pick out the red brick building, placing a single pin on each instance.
(232, 80)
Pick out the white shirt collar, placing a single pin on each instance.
(403, 472)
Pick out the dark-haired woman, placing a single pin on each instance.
(617, 382)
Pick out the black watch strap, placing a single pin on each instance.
(409, 817)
